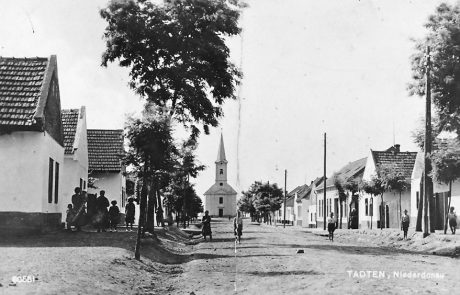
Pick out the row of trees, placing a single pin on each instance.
(179, 64)
(261, 201)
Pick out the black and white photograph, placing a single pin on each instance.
(199, 147)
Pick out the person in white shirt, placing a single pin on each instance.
(331, 226)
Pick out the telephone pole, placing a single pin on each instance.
(324, 183)
(285, 181)
(428, 182)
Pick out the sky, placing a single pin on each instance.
(339, 67)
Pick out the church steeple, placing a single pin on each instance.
(221, 152)
(221, 163)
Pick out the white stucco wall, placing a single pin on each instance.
(113, 185)
(213, 206)
(24, 171)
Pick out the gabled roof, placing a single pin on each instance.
(24, 86)
(403, 161)
(350, 171)
(105, 150)
(69, 125)
(217, 189)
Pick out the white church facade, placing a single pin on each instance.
(220, 198)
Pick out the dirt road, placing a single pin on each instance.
(266, 263)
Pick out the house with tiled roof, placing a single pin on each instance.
(32, 144)
(351, 171)
(372, 211)
(309, 204)
(105, 165)
(75, 169)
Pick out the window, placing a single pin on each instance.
(56, 184)
(366, 204)
(84, 184)
(50, 180)
(221, 184)
(221, 200)
(123, 196)
(371, 208)
(81, 183)
(418, 199)
(299, 212)
(221, 171)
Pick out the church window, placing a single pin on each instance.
(221, 200)
(221, 184)
(221, 171)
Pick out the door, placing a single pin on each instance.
(221, 212)
(387, 216)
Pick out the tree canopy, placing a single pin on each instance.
(176, 53)
(443, 37)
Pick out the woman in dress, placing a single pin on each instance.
(206, 230)
(452, 220)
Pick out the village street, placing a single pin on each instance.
(266, 263)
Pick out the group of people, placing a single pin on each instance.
(237, 226)
(90, 209)
(405, 222)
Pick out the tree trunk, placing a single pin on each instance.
(341, 215)
(382, 212)
(432, 209)
(151, 204)
(160, 209)
(140, 230)
(400, 208)
(448, 207)
(418, 226)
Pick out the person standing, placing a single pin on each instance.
(331, 226)
(405, 220)
(452, 220)
(206, 230)
(78, 208)
(114, 214)
(238, 227)
(102, 203)
(130, 211)
(353, 219)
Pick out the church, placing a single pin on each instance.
(220, 198)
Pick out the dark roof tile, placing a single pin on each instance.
(105, 150)
(69, 125)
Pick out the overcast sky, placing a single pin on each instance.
(309, 67)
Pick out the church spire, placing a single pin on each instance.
(221, 152)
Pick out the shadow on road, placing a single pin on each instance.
(284, 273)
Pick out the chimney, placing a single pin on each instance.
(397, 148)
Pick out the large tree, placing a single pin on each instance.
(176, 53)
(443, 37)
(265, 199)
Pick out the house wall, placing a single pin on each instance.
(24, 174)
(390, 199)
(213, 206)
(113, 183)
(331, 194)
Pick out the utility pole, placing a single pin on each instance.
(428, 182)
(285, 193)
(324, 183)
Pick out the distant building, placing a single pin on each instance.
(105, 152)
(309, 201)
(220, 198)
(75, 169)
(31, 144)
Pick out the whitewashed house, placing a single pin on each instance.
(353, 170)
(105, 153)
(31, 144)
(440, 191)
(309, 201)
(75, 168)
(371, 206)
(220, 198)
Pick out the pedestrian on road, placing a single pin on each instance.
(114, 214)
(238, 227)
(78, 202)
(130, 212)
(452, 220)
(206, 230)
(331, 226)
(102, 219)
(405, 220)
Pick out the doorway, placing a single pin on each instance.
(221, 212)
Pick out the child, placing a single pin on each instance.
(238, 227)
(331, 226)
(114, 213)
(130, 211)
(70, 216)
(405, 220)
(452, 220)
